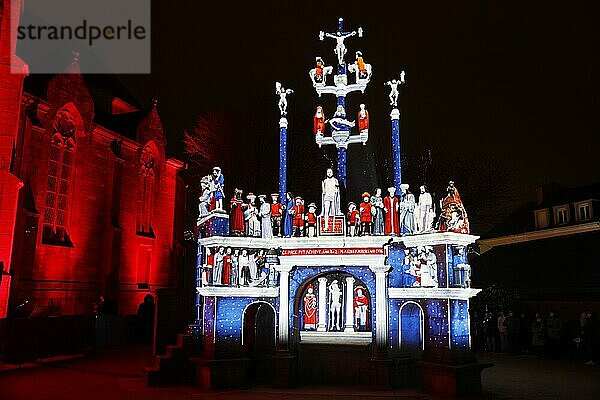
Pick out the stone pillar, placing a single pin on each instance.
(381, 319)
(349, 326)
(322, 324)
(284, 306)
(283, 124)
(396, 155)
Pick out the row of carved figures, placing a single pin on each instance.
(375, 215)
(227, 266)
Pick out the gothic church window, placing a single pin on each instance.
(60, 173)
(146, 192)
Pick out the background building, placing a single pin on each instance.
(545, 250)
(90, 204)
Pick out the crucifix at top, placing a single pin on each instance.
(339, 36)
(337, 129)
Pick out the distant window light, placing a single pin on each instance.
(561, 216)
(584, 212)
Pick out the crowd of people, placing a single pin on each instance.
(543, 335)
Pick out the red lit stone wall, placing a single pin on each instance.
(103, 203)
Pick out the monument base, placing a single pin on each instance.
(221, 374)
(284, 365)
(336, 226)
(380, 373)
(451, 373)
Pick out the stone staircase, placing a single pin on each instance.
(174, 367)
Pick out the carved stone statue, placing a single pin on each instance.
(424, 214)
(339, 122)
(330, 197)
(265, 217)
(340, 49)
(318, 75)
(378, 207)
(218, 181)
(453, 216)
(335, 306)
(204, 199)
(361, 306)
(282, 93)
(362, 70)
(319, 121)
(407, 211)
(217, 278)
(393, 84)
(251, 217)
(363, 119)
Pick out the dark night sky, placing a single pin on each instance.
(517, 80)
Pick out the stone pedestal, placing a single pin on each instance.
(451, 373)
(214, 224)
(284, 365)
(380, 373)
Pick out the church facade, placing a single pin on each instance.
(87, 211)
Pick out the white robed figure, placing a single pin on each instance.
(251, 217)
(432, 265)
(218, 267)
(424, 214)
(252, 266)
(330, 198)
(264, 213)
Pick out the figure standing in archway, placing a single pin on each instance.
(335, 306)
(310, 309)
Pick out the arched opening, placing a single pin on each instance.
(333, 346)
(411, 327)
(258, 340)
(335, 316)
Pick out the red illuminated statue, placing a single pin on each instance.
(319, 123)
(310, 309)
(366, 217)
(391, 205)
(236, 215)
(363, 119)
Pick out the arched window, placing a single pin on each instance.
(60, 172)
(146, 192)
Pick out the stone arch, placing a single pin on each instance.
(414, 340)
(296, 301)
(255, 303)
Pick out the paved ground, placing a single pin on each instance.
(117, 375)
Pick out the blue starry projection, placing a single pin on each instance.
(216, 226)
(406, 325)
(459, 324)
(437, 323)
(229, 317)
(396, 153)
(341, 165)
(301, 275)
(440, 255)
(395, 259)
(282, 161)
(208, 316)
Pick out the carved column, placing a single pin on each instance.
(321, 325)
(349, 326)
(284, 306)
(381, 319)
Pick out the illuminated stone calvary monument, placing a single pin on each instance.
(288, 306)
